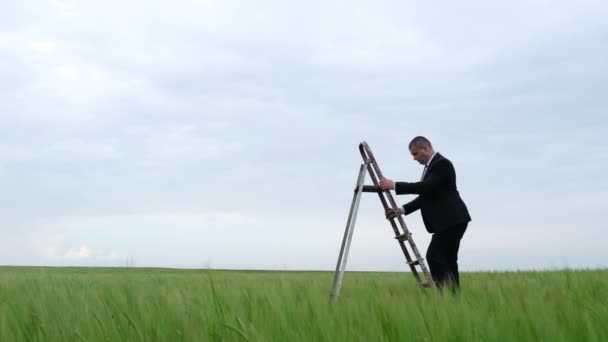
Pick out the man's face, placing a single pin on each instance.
(421, 155)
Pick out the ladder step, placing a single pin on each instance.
(425, 284)
(403, 237)
(369, 188)
(414, 262)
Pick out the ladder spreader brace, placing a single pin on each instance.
(371, 166)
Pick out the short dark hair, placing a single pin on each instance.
(420, 142)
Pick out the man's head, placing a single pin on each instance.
(421, 149)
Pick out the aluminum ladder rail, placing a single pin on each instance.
(402, 233)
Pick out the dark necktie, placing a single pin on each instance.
(423, 172)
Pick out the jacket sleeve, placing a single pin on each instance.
(438, 176)
(412, 206)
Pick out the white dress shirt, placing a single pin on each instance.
(426, 166)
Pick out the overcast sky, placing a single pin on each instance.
(224, 134)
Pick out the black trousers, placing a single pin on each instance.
(442, 256)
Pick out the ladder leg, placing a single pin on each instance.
(348, 234)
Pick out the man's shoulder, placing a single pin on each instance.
(439, 159)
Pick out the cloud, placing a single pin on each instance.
(83, 252)
(232, 122)
(49, 246)
(42, 46)
(64, 7)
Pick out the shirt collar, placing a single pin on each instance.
(430, 159)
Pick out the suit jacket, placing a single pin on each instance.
(438, 198)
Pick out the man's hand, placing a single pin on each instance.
(387, 184)
(392, 213)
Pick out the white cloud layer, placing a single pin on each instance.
(224, 134)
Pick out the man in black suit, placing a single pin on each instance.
(443, 211)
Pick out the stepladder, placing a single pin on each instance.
(402, 234)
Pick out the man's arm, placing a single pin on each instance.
(406, 209)
(411, 206)
(441, 173)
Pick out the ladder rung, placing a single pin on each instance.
(425, 284)
(369, 188)
(403, 237)
(414, 262)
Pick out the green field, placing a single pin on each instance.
(131, 304)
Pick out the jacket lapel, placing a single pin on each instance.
(433, 162)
